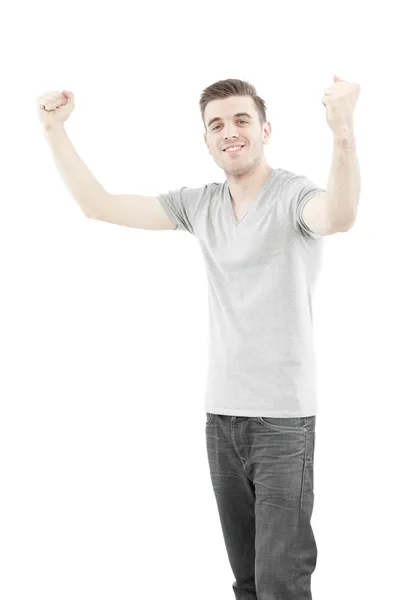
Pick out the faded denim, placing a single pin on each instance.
(262, 473)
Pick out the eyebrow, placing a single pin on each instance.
(241, 114)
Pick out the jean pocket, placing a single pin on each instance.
(208, 417)
(285, 423)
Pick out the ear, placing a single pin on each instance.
(267, 133)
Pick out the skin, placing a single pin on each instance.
(246, 172)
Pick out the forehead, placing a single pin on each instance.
(225, 108)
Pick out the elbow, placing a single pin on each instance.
(88, 214)
(343, 224)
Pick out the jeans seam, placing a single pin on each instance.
(304, 467)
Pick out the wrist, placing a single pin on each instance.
(53, 133)
(54, 128)
(345, 138)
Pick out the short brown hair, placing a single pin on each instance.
(232, 87)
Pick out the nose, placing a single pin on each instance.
(230, 139)
(230, 133)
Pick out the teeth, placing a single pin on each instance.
(232, 149)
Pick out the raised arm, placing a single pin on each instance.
(138, 211)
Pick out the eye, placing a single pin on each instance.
(240, 121)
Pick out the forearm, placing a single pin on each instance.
(344, 181)
(81, 183)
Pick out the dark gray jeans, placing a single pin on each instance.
(262, 472)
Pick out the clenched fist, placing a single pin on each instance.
(55, 107)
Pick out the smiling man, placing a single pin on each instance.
(260, 232)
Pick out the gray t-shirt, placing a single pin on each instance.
(261, 275)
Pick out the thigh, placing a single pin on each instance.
(281, 450)
(282, 466)
(235, 498)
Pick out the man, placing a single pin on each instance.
(260, 233)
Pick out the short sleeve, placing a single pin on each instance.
(301, 190)
(181, 206)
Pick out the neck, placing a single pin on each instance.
(244, 188)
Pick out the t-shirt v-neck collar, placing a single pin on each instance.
(228, 199)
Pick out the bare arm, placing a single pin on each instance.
(138, 211)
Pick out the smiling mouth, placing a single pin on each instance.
(234, 151)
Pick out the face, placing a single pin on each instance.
(240, 130)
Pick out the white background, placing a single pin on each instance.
(105, 490)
